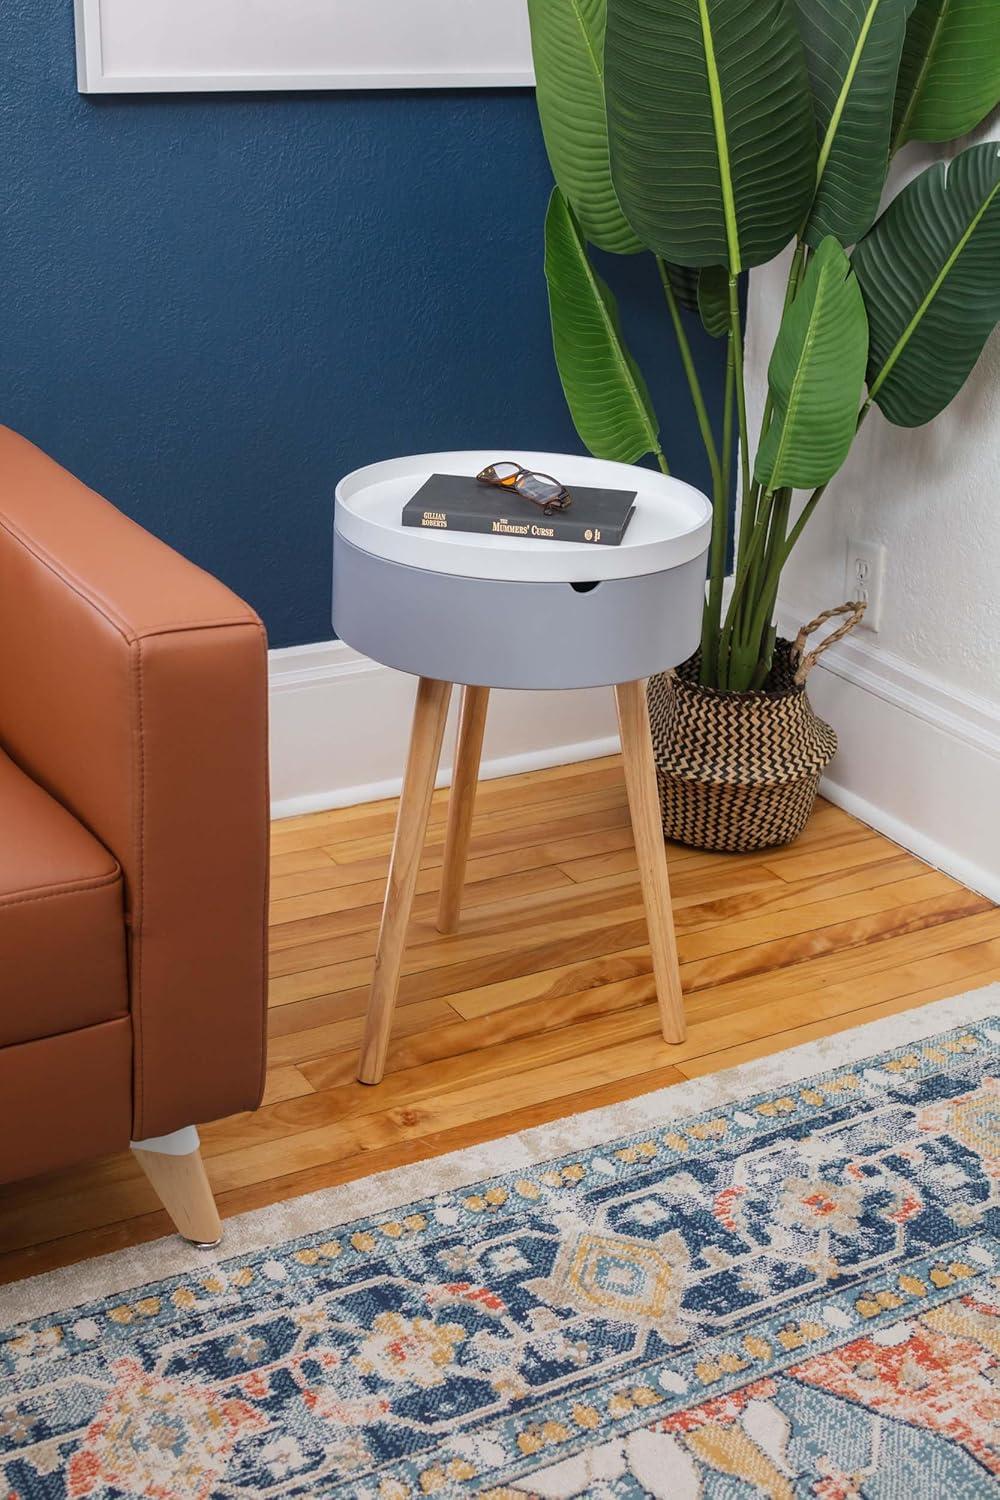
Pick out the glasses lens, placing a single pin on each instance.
(538, 487)
(505, 472)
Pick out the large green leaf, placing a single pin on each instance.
(605, 390)
(684, 281)
(930, 275)
(704, 291)
(815, 376)
(710, 123)
(852, 49)
(949, 77)
(713, 300)
(567, 41)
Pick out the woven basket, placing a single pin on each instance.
(739, 771)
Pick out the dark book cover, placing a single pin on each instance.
(458, 502)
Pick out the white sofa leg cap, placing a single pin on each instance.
(178, 1143)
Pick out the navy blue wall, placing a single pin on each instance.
(211, 307)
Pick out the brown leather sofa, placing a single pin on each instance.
(133, 841)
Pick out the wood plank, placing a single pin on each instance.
(292, 1048)
(299, 860)
(438, 973)
(710, 1029)
(436, 984)
(811, 1031)
(348, 913)
(817, 836)
(910, 960)
(723, 899)
(838, 856)
(431, 1115)
(868, 931)
(487, 840)
(538, 896)
(543, 984)
(365, 830)
(339, 1098)
(542, 1004)
(355, 968)
(724, 1010)
(516, 822)
(512, 903)
(526, 856)
(546, 785)
(284, 1082)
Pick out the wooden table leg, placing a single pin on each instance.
(462, 801)
(429, 717)
(644, 805)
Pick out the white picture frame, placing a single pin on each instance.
(194, 46)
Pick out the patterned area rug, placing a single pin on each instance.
(779, 1281)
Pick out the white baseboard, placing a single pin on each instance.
(918, 759)
(340, 726)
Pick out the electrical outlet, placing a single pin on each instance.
(863, 579)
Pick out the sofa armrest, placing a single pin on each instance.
(133, 687)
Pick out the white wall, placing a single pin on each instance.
(917, 705)
(340, 725)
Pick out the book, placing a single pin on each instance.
(458, 502)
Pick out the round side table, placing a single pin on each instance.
(513, 612)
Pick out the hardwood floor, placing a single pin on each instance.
(541, 1003)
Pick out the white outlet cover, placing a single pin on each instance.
(864, 572)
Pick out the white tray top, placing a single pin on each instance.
(671, 525)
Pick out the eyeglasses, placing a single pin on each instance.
(541, 489)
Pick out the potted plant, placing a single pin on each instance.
(713, 134)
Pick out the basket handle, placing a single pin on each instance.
(806, 661)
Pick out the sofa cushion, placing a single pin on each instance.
(62, 931)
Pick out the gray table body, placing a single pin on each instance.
(495, 633)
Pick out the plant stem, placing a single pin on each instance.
(773, 563)
(661, 459)
(727, 419)
(754, 568)
(712, 616)
(762, 670)
(747, 639)
(800, 524)
(713, 604)
(750, 639)
(732, 613)
(694, 384)
(749, 492)
(779, 550)
(736, 335)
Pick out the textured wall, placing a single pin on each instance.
(212, 307)
(930, 494)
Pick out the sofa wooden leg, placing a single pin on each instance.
(177, 1175)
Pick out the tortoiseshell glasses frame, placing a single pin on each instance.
(541, 489)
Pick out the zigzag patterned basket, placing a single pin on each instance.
(739, 771)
